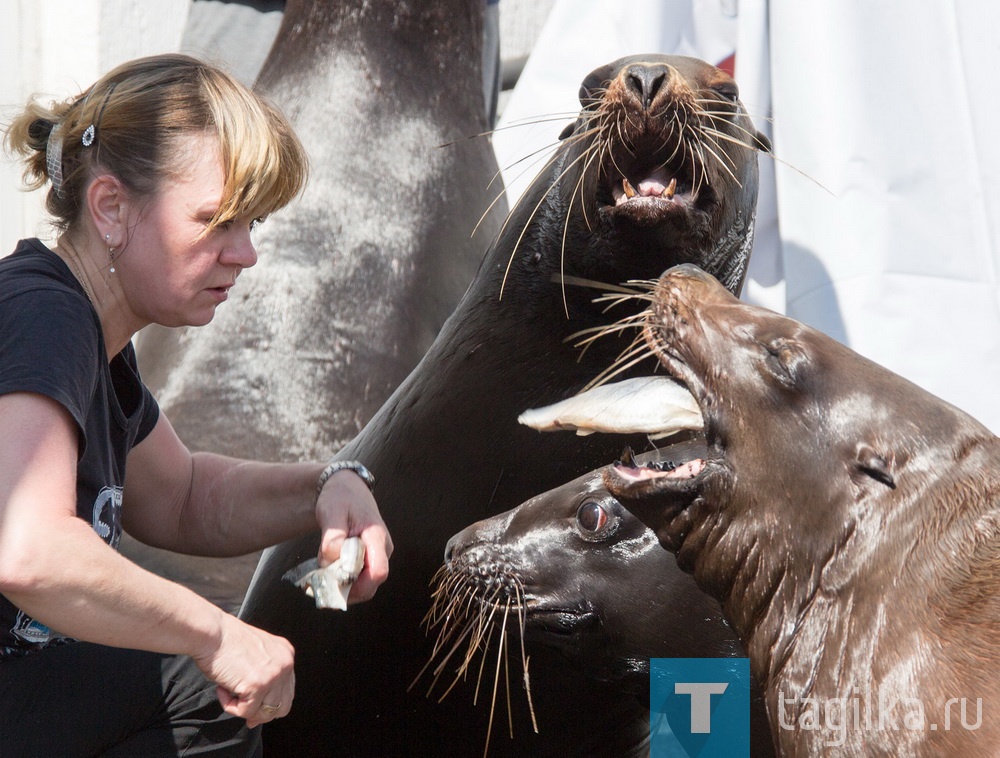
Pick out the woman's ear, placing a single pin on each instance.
(107, 202)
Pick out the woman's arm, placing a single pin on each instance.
(209, 504)
(56, 569)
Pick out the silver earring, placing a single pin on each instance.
(111, 252)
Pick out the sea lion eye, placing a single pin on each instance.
(592, 517)
(783, 358)
(727, 90)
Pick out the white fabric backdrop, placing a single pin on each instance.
(887, 186)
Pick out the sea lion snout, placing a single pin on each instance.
(644, 81)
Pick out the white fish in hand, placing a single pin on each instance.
(330, 586)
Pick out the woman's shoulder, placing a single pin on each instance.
(32, 264)
(33, 276)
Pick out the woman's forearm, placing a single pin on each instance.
(80, 587)
(237, 507)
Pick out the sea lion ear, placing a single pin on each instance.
(570, 128)
(875, 465)
(761, 142)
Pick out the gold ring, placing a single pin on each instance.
(269, 709)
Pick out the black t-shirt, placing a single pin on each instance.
(51, 343)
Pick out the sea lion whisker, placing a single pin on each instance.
(644, 284)
(460, 673)
(482, 667)
(484, 625)
(505, 127)
(577, 281)
(456, 614)
(678, 145)
(506, 677)
(798, 171)
(614, 162)
(632, 125)
(608, 375)
(501, 195)
(697, 167)
(517, 244)
(616, 298)
(621, 135)
(443, 600)
(439, 604)
(544, 118)
(506, 221)
(471, 649)
(496, 682)
(633, 321)
(439, 669)
(717, 135)
(448, 631)
(592, 332)
(583, 134)
(562, 251)
(595, 152)
(599, 150)
(634, 348)
(606, 331)
(722, 163)
(522, 621)
(464, 625)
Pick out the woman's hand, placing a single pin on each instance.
(346, 508)
(253, 670)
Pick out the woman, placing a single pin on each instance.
(159, 172)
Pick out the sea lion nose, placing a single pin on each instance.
(449, 549)
(645, 80)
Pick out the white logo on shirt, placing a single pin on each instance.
(108, 515)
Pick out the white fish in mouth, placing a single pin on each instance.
(330, 586)
(653, 405)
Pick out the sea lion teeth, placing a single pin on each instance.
(627, 458)
(628, 189)
(653, 405)
(331, 585)
(671, 189)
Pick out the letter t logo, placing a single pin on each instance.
(701, 702)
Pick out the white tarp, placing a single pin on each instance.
(887, 185)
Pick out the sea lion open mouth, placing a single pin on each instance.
(663, 140)
(659, 407)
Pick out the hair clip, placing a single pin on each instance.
(53, 159)
(88, 136)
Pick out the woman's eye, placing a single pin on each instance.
(255, 224)
(592, 517)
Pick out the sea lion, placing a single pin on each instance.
(357, 276)
(572, 569)
(848, 520)
(446, 447)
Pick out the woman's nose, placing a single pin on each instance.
(240, 251)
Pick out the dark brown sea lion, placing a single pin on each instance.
(848, 521)
(355, 278)
(572, 569)
(447, 448)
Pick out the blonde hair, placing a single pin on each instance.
(139, 112)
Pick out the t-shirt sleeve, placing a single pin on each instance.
(49, 345)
